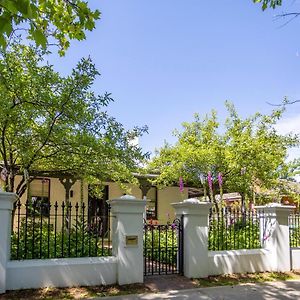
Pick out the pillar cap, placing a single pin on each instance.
(127, 204)
(275, 205)
(7, 200)
(192, 200)
(192, 207)
(275, 208)
(127, 197)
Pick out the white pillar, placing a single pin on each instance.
(6, 206)
(276, 235)
(127, 241)
(195, 226)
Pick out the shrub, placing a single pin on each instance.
(39, 239)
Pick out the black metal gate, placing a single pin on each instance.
(163, 248)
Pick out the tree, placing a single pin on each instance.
(54, 123)
(274, 4)
(269, 3)
(46, 21)
(255, 152)
(249, 153)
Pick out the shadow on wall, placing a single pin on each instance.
(240, 261)
(61, 272)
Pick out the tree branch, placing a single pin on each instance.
(50, 129)
(292, 16)
(283, 104)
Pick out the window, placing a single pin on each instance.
(98, 212)
(151, 209)
(39, 195)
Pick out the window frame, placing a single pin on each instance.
(42, 206)
(155, 215)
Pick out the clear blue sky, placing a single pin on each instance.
(164, 60)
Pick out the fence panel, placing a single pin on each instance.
(232, 229)
(294, 226)
(163, 248)
(58, 231)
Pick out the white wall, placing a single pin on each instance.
(240, 261)
(61, 272)
(295, 259)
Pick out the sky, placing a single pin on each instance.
(163, 61)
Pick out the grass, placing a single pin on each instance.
(115, 290)
(234, 279)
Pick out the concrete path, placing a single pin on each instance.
(287, 290)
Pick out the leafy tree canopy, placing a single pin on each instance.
(49, 122)
(46, 21)
(248, 152)
(269, 3)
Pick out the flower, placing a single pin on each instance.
(220, 179)
(181, 187)
(210, 180)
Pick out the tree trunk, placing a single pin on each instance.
(243, 209)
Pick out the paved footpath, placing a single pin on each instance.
(287, 290)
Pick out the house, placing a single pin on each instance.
(49, 187)
(52, 187)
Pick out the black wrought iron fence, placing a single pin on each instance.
(294, 226)
(232, 229)
(59, 231)
(163, 248)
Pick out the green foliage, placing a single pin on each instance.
(249, 152)
(53, 123)
(161, 244)
(268, 3)
(294, 226)
(295, 237)
(239, 235)
(40, 240)
(50, 21)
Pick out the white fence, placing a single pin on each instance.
(199, 262)
(124, 267)
(126, 264)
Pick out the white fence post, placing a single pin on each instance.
(127, 241)
(276, 236)
(195, 226)
(6, 206)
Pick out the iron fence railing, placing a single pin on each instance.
(59, 231)
(232, 229)
(294, 226)
(163, 248)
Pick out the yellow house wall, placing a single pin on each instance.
(57, 193)
(115, 191)
(165, 197)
